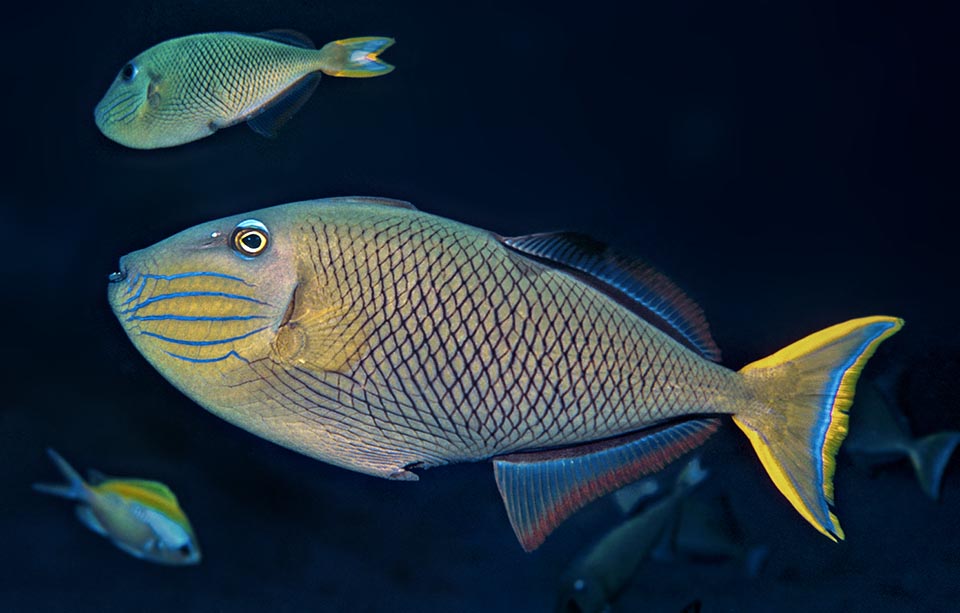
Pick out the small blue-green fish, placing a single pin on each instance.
(598, 576)
(880, 434)
(187, 88)
(140, 517)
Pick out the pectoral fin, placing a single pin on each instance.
(88, 519)
(541, 489)
(320, 337)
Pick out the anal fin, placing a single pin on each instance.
(541, 489)
(278, 111)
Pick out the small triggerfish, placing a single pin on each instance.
(140, 517)
(598, 576)
(379, 338)
(187, 88)
(880, 434)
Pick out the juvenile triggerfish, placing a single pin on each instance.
(187, 88)
(376, 337)
(140, 517)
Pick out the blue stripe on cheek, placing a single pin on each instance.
(198, 273)
(166, 316)
(142, 278)
(171, 296)
(207, 360)
(178, 341)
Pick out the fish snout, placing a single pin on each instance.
(120, 274)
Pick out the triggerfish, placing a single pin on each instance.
(376, 337)
(187, 88)
(140, 517)
(596, 578)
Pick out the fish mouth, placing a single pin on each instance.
(118, 275)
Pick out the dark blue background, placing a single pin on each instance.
(792, 164)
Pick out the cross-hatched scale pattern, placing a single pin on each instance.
(225, 77)
(471, 350)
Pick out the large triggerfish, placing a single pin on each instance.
(365, 333)
(187, 88)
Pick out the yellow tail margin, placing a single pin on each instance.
(799, 418)
(355, 57)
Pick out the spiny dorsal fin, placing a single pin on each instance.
(632, 282)
(400, 204)
(288, 37)
(541, 489)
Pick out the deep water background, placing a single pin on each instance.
(791, 164)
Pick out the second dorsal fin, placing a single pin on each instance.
(632, 282)
(289, 37)
(400, 204)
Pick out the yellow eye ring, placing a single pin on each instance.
(250, 238)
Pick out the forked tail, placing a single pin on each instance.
(929, 456)
(803, 393)
(355, 57)
(74, 488)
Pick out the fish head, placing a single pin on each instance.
(205, 304)
(581, 593)
(139, 110)
(180, 552)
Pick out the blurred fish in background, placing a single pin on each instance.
(143, 518)
(599, 575)
(708, 532)
(187, 88)
(880, 435)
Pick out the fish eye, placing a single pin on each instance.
(250, 238)
(184, 550)
(128, 71)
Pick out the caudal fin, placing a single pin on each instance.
(355, 57)
(74, 489)
(929, 456)
(799, 416)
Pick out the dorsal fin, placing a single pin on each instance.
(138, 488)
(632, 282)
(541, 489)
(288, 37)
(400, 204)
(95, 477)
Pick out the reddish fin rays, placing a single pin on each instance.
(541, 489)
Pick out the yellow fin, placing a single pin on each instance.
(803, 393)
(355, 57)
(324, 337)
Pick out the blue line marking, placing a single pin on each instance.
(143, 284)
(183, 275)
(198, 273)
(833, 387)
(178, 341)
(171, 296)
(207, 360)
(167, 316)
(132, 283)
